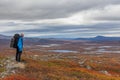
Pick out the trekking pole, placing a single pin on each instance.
(24, 52)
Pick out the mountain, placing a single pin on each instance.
(100, 38)
(60, 40)
(4, 37)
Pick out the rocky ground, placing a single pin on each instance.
(10, 66)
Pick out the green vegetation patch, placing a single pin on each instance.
(2, 70)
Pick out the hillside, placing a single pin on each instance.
(59, 67)
(54, 59)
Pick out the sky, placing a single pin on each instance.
(60, 18)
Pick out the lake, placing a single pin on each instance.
(63, 51)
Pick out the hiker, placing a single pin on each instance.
(19, 47)
(17, 43)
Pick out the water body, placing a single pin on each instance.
(102, 51)
(89, 48)
(50, 45)
(105, 47)
(63, 51)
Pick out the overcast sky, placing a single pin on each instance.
(60, 18)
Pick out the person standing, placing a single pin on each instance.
(19, 47)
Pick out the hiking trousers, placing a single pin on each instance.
(18, 55)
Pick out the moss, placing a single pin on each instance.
(2, 70)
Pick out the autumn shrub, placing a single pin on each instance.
(61, 70)
(17, 77)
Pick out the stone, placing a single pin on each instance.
(105, 72)
(88, 67)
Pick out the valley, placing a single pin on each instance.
(65, 60)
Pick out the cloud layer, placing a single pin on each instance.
(53, 18)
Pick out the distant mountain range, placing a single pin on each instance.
(4, 37)
(100, 38)
(30, 40)
(44, 40)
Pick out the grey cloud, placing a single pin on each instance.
(73, 30)
(47, 9)
(9, 24)
(108, 18)
(22, 16)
